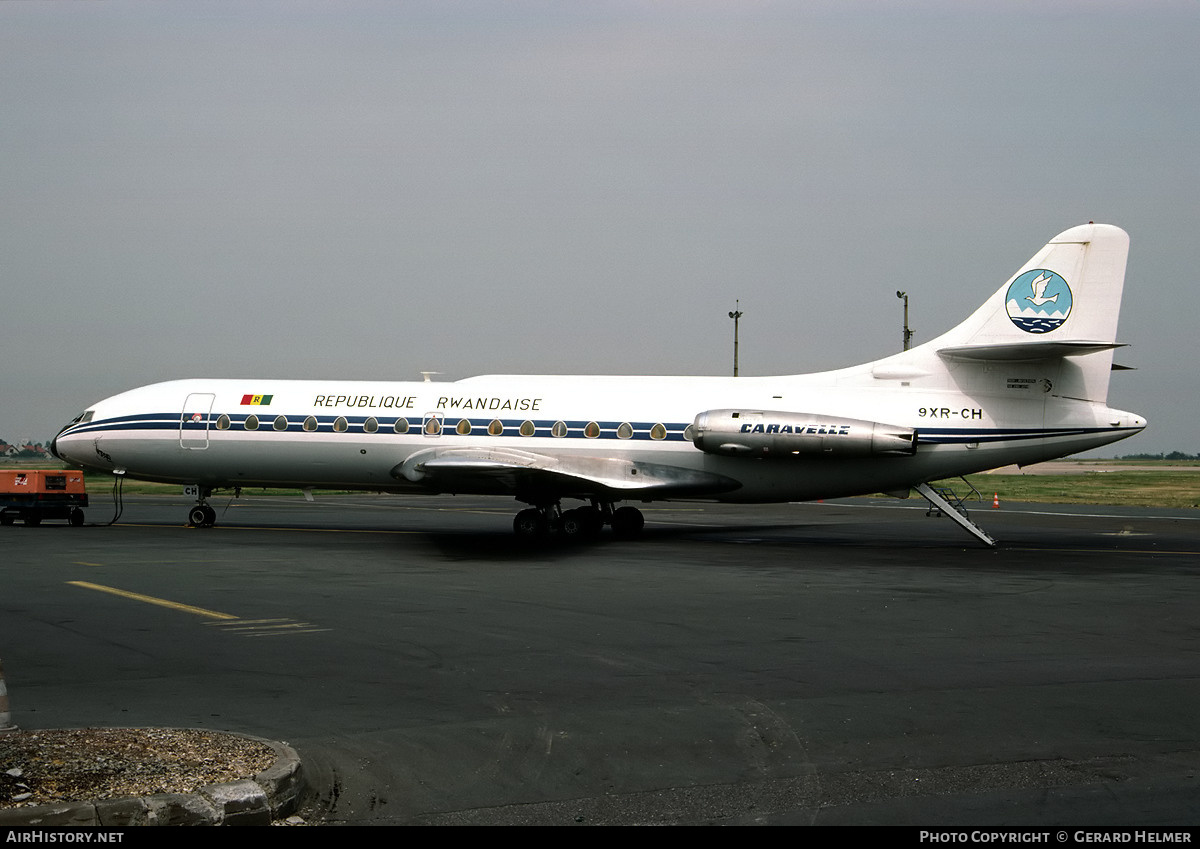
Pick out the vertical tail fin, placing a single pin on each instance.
(1063, 303)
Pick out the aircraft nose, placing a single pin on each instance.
(60, 445)
(54, 446)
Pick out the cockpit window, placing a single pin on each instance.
(84, 418)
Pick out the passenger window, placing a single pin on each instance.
(559, 429)
(625, 430)
(371, 425)
(658, 432)
(251, 423)
(310, 424)
(496, 427)
(401, 426)
(464, 427)
(340, 425)
(280, 423)
(527, 428)
(591, 430)
(223, 422)
(433, 426)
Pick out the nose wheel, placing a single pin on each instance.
(202, 515)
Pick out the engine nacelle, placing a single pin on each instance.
(767, 433)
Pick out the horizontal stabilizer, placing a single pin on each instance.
(1027, 351)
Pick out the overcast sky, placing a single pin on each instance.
(370, 190)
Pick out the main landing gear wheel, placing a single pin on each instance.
(571, 525)
(578, 524)
(530, 524)
(582, 523)
(627, 522)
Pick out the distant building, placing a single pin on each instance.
(24, 448)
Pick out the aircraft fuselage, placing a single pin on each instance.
(343, 435)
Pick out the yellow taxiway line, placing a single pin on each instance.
(149, 599)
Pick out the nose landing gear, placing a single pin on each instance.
(202, 515)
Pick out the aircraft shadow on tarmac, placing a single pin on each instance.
(500, 546)
(1051, 545)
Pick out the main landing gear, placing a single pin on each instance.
(202, 515)
(579, 523)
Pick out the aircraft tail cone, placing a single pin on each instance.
(995, 501)
(5, 715)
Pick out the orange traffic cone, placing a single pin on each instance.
(995, 501)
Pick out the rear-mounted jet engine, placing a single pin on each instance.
(766, 433)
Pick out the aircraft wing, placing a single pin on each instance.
(524, 473)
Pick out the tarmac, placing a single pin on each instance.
(854, 662)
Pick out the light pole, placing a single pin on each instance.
(735, 315)
(907, 333)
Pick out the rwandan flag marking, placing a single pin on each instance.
(256, 400)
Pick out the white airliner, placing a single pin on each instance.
(1022, 380)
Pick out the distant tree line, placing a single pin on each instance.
(1174, 455)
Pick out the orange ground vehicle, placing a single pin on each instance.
(36, 494)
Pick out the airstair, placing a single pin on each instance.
(943, 501)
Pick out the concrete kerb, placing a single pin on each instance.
(272, 794)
